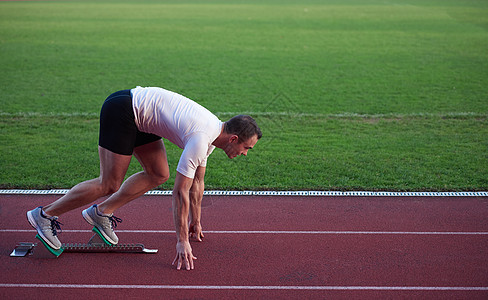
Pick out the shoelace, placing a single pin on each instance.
(55, 225)
(114, 220)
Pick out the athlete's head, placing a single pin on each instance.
(243, 133)
(245, 127)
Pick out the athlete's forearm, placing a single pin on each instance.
(196, 196)
(181, 204)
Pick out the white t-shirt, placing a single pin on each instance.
(182, 121)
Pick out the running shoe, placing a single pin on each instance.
(46, 227)
(104, 223)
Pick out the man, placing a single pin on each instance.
(132, 122)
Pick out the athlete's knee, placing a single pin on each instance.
(109, 187)
(160, 178)
(159, 174)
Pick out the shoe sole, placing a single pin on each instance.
(90, 221)
(30, 218)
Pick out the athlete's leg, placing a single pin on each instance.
(153, 160)
(113, 168)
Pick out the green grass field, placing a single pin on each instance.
(350, 94)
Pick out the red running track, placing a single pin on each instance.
(265, 248)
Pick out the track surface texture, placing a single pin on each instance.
(270, 247)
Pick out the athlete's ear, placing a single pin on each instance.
(233, 138)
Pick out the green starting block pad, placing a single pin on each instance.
(97, 244)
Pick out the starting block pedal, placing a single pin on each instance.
(97, 244)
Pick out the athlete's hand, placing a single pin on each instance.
(196, 232)
(184, 256)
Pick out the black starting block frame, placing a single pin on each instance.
(96, 244)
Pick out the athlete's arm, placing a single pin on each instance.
(181, 207)
(196, 196)
(187, 195)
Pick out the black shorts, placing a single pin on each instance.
(118, 130)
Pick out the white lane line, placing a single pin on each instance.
(345, 115)
(277, 193)
(277, 232)
(354, 232)
(245, 287)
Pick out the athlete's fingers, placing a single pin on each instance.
(187, 263)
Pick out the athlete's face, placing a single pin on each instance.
(235, 148)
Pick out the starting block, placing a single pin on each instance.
(97, 244)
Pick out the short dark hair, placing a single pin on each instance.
(245, 127)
